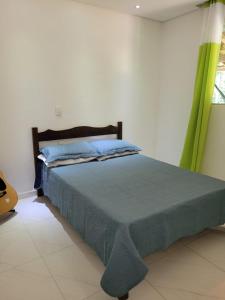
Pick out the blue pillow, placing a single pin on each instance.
(69, 151)
(108, 147)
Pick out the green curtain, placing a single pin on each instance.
(193, 150)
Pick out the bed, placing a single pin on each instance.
(128, 207)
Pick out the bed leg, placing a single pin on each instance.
(125, 297)
(40, 192)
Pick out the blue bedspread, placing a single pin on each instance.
(126, 208)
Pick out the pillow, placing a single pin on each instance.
(101, 158)
(65, 162)
(109, 147)
(68, 151)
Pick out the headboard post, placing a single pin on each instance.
(35, 146)
(119, 130)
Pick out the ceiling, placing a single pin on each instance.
(159, 10)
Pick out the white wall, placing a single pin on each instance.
(180, 42)
(214, 158)
(99, 65)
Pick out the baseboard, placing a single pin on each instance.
(27, 194)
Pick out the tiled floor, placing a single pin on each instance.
(42, 258)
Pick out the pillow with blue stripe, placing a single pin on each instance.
(110, 147)
(69, 151)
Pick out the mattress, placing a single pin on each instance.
(129, 207)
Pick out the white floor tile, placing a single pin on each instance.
(155, 257)
(17, 248)
(211, 247)
(73, 289)
(10, 222)
(172, 294)
(183, 269)
(144, 291)
(5, 267)
(49, 236)
(18, 285)
(33, 209)
(73, 263)
(183, 255)
(42, 257)
(35, 267)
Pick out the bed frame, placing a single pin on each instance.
(76, 132)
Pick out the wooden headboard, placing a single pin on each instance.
(76, 132)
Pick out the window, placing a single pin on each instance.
(219, 90)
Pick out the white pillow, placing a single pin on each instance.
(125, 153)
(65, 162)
